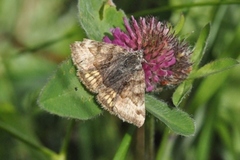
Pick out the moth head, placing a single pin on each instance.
(135, 58)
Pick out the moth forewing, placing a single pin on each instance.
(115, 74)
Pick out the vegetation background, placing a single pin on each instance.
(35, 37)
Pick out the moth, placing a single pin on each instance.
(115, 74)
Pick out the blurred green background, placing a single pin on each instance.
(35, 37)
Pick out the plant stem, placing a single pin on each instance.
(166, 145)
(140, 143)
(10, 130)
(125, 144)
(63, 151)
(186, 5)
(149, 138)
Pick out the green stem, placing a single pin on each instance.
(46, 44)
(188, 5)
(139, 153)
(149, 138)
(166, 145)
(10, 130)
(125, 144)
(63, 151)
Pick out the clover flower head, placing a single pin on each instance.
(167, 59)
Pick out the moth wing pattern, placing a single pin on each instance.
(88, 52)
(128, 103)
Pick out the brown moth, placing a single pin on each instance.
(115, 74)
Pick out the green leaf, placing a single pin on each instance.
(214, 67)
(177, 120)
(181, 92)
(97, 17)
(179, 25)
(200, 46)
(65, 96)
